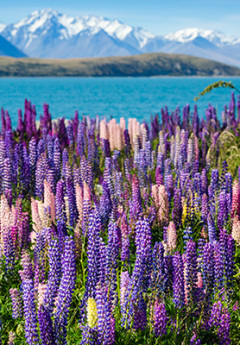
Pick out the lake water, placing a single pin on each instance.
(117, 97)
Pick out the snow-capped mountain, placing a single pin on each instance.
(50, 34)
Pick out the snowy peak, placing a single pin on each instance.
(40, 21)
(188, 35)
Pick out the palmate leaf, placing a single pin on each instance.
(216, 85)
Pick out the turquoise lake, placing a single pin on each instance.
(116, 97)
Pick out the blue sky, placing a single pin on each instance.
(157, 16)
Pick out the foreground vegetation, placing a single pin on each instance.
(120, 236)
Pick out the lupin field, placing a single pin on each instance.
(120, 233)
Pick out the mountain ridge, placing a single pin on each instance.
(50, 34)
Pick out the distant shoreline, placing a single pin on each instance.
(155, 65)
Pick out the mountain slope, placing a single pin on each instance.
(157, 64)
(7, 49)
(50, 34)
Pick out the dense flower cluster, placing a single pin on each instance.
(111, 228)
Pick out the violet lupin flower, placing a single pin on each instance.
(54, 276)
(211, 229)
(204, 211)
(160, 319)
(136, 205)
(71, 202)
(8, 250)
(208, 270)
(57, 159)
(30, 313)
(218, 267)
(222, 210)
(224, 328)
(191, 271)
(177, 208)
(230, 262)
(93, 255)
(105, 204)
(228, 188)
(106, 322)
(7, 175)
(45, 326)
(113, 248)
(17, 303)
(157, 277)
(125, 238)
(178, 280)
(66, 288)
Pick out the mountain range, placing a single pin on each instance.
(50, 34)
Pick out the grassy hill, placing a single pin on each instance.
(155, 64)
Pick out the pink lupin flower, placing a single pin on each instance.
(171, 236)
(199, 280)
(235, 200)
(163, 204)
(37, 222)
(236, 230)
(79, 201)
(103, 130)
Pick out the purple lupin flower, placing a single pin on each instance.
(177, 208)
(204, 213)
(57, 159)
(208, 270)
(204, 181)
(8, 250)
(71, 202)
(7, 175)
(159, 176)
(140, 280)
(30, 313)
(54, 275)
(211, 228)
(191, 271)
(194, 340)
(106, 322)
(113, 248)
(230, 262)
(64, 163)
(228, 189)
(157, 277)
(218, 267)
(66, 288)
(222, 210)
(125, 238)
(178, 280)
(136, 204)
(105, 204)
(17, 303)
(160, 319)
(224, 328)
(45, 326)
(93, 255)
(127, 143)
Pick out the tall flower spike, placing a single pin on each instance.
(160, 319)
(30, 313)
(45, 326)
(178, 280)
(171, 236)
(65, 291)
(54, 275)
(17, 308)
(191, 271)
